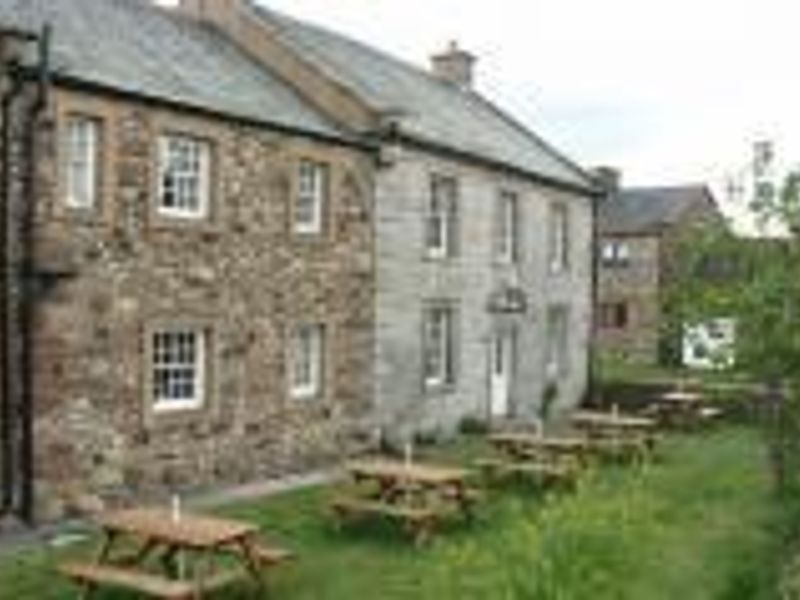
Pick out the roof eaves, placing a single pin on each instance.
(77, 83)
(422, 143)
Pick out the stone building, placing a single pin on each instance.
(637, 229)
(273, 242)
(202, 250)
(483, 230)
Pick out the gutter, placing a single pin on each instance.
(394, 135)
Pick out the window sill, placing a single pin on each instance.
(175, 408)
(305, 397)
(440, 389)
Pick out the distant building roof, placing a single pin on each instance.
(135, 47)
(648, 210)
(427, 108)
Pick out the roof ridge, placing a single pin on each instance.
(406, 64)
(294, 32)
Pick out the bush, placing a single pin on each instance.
(472, 425)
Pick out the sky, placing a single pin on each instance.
(670, 91)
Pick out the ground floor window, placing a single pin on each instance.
(439, 345)
(178, 368)
(306, 361)
(613, 315)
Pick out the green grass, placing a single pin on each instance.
(698, 524)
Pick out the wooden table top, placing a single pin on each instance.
(189, 530)
(600, 419)
(402, 471)
(534, 440)
(681, 397)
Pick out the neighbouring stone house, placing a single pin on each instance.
(483, 230)
(637, 231)
(202, 252)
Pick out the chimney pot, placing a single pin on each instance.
(455, 66)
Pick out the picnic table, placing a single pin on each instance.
(549, 459)
(417, 495)
(616, 434)
(683, 408)
(164, 554)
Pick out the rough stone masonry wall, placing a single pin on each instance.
(241, 275)
(638, 286)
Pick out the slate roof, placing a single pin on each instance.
(648, 210)
(134, 46)
(431, 110)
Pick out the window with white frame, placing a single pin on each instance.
(439, 346)
(312, 190)
(306, 361)
(615, 253)
(441, 220)
(508, 227)
(558, 252)
(81, 145)
(178, 368)
(184, 177)
(557, 356)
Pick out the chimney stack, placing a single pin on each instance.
(609, 179)
(221, 13)
(454, 66)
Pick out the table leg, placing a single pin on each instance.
(87, 589)
(169, 561)
(464, 503)
(252, 565)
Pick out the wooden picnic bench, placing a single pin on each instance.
(548, 460)
(416, 495)
(683, 410)
(172, 556)
(617, 435)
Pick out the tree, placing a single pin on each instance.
(756, 282)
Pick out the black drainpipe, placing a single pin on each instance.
(28, 279)
(6, 409)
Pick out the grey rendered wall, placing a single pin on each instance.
(406, 280)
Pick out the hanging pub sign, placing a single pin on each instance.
(508, 300)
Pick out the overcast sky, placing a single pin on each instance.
(669, 90)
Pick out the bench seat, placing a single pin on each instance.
(347, 505)
(130, 579)
(418, 521)
(551, 472)
(264, 555)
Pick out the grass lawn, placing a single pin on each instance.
(699, 524)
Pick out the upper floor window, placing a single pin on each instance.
(558, 247)
(312, 191)
(184, 177)
(178, 369)
(615, 254)
(306, 361)
(81, 157)
(439, 346)
(441, 229)
(508, 227)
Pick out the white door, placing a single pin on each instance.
(501, 360)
